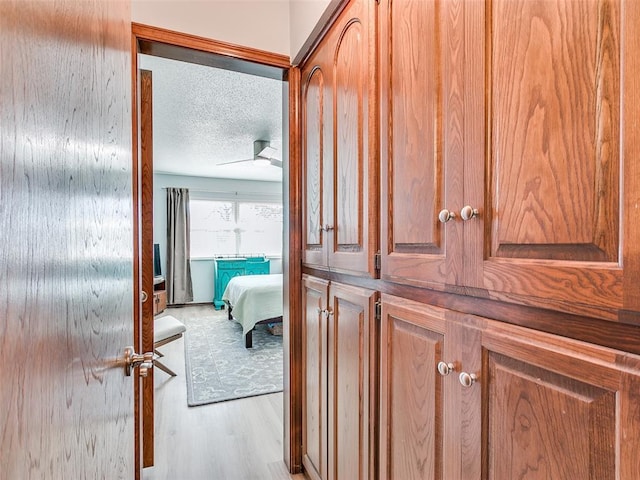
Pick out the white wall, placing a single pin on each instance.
(201, 269)
(261, 24)
(278, 26)
(303, 15)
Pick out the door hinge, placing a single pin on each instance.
(378, 310)
(377, 260)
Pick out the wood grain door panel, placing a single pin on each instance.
(421, 174)
(66, 241)
(314, 93)
(555, 128)
(557, 408)
(411, 390)
(314, 396)
(354, 203)
(549, 424)
(552, 218)
(349, 347)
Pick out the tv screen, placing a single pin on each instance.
(157, 269)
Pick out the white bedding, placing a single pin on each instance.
(254, 298)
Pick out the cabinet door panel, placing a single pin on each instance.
(411, 390)
(549, 424)
(421, 97)
(314, 399)
(349, 345)
(349, 72)
(554, 408)
(553, 93)
(314, 93)
(555, 130)
(354, 202)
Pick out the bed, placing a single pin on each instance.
(253, 299)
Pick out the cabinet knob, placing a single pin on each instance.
(468, 379)
(445, 215)
(468, 212)
(445, 369)
(328, 227)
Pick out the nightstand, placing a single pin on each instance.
(159, 295)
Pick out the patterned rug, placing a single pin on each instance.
(219, 368)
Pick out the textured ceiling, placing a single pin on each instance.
(204, 116)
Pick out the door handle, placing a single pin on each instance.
(144, 296)
(132, 360)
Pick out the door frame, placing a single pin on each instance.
(161, 42)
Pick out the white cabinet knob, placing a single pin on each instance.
(445, 215)
(468, 379)
(468, 212)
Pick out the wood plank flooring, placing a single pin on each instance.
(234, 440)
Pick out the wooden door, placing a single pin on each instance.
(340, 154)
(66, 236)
(551, 89)
(351, 383)
(412, 392)
(556, 408)
(421, 141)
(314, 391)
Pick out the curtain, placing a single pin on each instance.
(179, 286)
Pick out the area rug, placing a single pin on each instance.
(219, 367)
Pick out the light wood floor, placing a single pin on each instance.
(233, 440)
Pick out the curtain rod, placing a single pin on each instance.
(197, 190)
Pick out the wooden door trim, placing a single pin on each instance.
(146, 251)
(193, 49)
(292, 188)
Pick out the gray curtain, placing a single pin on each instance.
(179, 287)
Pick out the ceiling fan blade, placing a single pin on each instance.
(264, 155)
(236, 161)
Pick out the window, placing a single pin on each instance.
(225, 227)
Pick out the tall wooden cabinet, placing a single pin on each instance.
(509, 186)
(339, 146)
(340, 386)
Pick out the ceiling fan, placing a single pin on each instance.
(263, 155)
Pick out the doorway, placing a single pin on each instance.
(173, 45)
